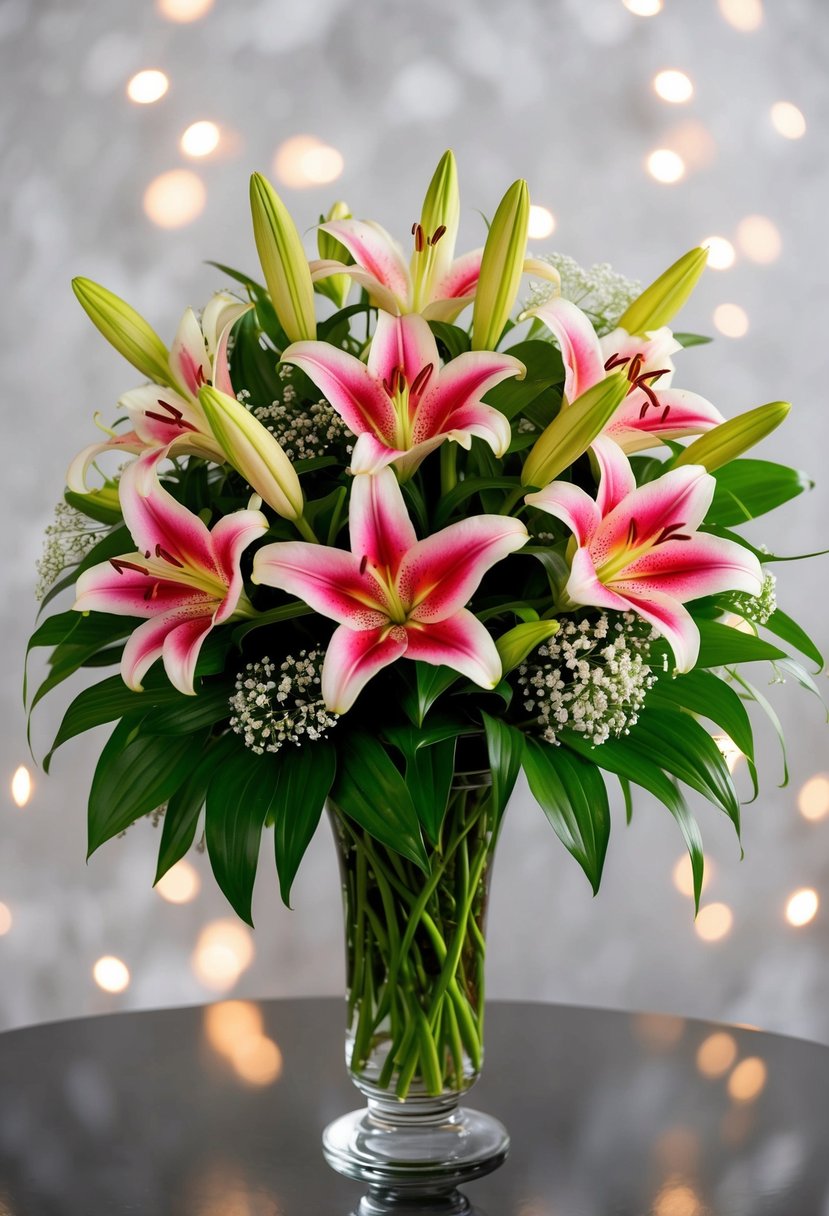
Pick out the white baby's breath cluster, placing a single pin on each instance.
(756, 608)
(274, 705)
(591, 677)
(67, 540)
(304, 430)
(600, 291)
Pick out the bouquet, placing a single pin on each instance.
(380, 534)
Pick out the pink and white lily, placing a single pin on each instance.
(402, 404)
(638, 549)
(162, 415)
(652, 410)
(394, 595)
(182, 577)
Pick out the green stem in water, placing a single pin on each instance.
(448, 467)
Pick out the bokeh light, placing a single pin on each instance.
(759, 239)
(721, 253)
(731, 320)
(683, 875)
(693, 143)
(729, 751)
(257, 1060)
(181, 884)
(174, 199)
(676, 1199)
(304, 160)
(223, 951)
(714, 922)
(147, 86)
(788, 120)
(665, 165)
(226, 1023)
(542, 223)
(183, 10)
(813, 799)
(743, 15)
(5, 919)
(658, 1031)
(801, 907)
(21, 786)
(747, 1080)
(643, 8)
(200, 139)
(716, 1054)
(111, 974)
(673, 86)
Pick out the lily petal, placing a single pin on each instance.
(189, 362)
(373, 248)
(125, 590)
(679, 500)
(402, 342)
(379, 295)
(221, 310)
(147, 643)
(329, 580)
(572, 505)
(371, 454)
(180, 652)
(459, 388)
(230, 537)
(461, 642)
(160, 415)
(688, 569)
(352, 658)
(158, 522)
(638, 424)
(655, 349)
(347, 384)
(461, 278)
(672, 621)
(616, 479)
(378, 521)
(78, 469)
(580, 349)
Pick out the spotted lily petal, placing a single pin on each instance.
(580, 349)
(349, 386)
(459, 641)
(329, 580)
(377, 253)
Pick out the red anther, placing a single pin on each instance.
(437, 234)
(199, 375)
(643, 410)
(363, 563)
(414, 227)
(151, 593)
(633, 532)
(663, 371)
(419, 238)
(667, 533)
(168, 557)
(634, 367)
(649, 393)
(616, 361)
(401, 380)
(387, 386)
(665, 413)
(119, 565)
(162, 418)
(171, 409)
(422, 379)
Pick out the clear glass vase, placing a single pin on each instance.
(415, 955)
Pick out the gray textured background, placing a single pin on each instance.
(553, 90)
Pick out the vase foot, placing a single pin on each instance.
(413, 1161)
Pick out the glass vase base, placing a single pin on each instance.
(415, 1163)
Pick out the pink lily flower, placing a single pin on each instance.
(394, 595)
(162, 416)
(638, 548)
(183, 577)
(403, 404)
(652, 410)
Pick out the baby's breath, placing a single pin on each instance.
(67, 540)
(304, 429)
(756, 608)
(591, 677)
(274, 705)
(600, 291)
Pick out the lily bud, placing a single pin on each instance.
(252, 450)
(572, 431)
(514, 645)
(103, 504)
(659, 303)
(283, 261)
(337, 286)
(501, 267)
(126, 330)
(439, 227)
(730, 439)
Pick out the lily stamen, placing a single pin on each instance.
(168, 557)
(119, 565)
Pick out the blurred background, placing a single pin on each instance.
(643, 126)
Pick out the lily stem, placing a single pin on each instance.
(305, 529)
(448, 467)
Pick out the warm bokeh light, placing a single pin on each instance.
(813, 799)
(802, 906)
(183, 10)
(677, 1150)
(181, 884)
(223, 951)
(659, 1031)
(747, 1080)
(174, 199)
(716, 1054)
(257, 1060)
(759, 239)
(714, 922)
(743, 15)
(665, 165)
(788, 120)
(721, 253)
(227, 1023)
(200, 139)
(693, 143)
(542, 223)
(673, 85)
(676, 1200)
(21, 786)
(643, 8)
(304, 160)
(148, 86)
(5, 919)
(729, 751)
(683, 875)
(111, 974)
(731, 320)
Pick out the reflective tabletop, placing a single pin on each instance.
(218, 1111)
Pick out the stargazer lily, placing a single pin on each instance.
(403, 404)
(638, 549)
(182, 577)
(163, 415)
(394, 595)
(652, 410)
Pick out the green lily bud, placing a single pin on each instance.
(659, 303)
(126, 330)
(283, 261)
(252, 450)
(572, 431)
(435, 240)
(730, 439)
(514, 645)
(102, 505)
(501, 267)
(337, 286)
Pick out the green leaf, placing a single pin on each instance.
(135, 775)
(185, 806)
(429, 774)
(302, 779)
(514, 645)
(505, 748)
(784, 627)
(430, 682)
(466, 489)
(771, 714)
(92, 633)
(370, 789)
(241, 277)
(792, 668)
(686, 340)
(189, 714)
(721, 645)
(572, 794)
(452, 337)
(111, 545)
(748, 488)
(95, 505)
(544, 369)
(286, 612)
(627, 795)
(705, 694)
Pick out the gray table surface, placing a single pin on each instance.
(609, 1113)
